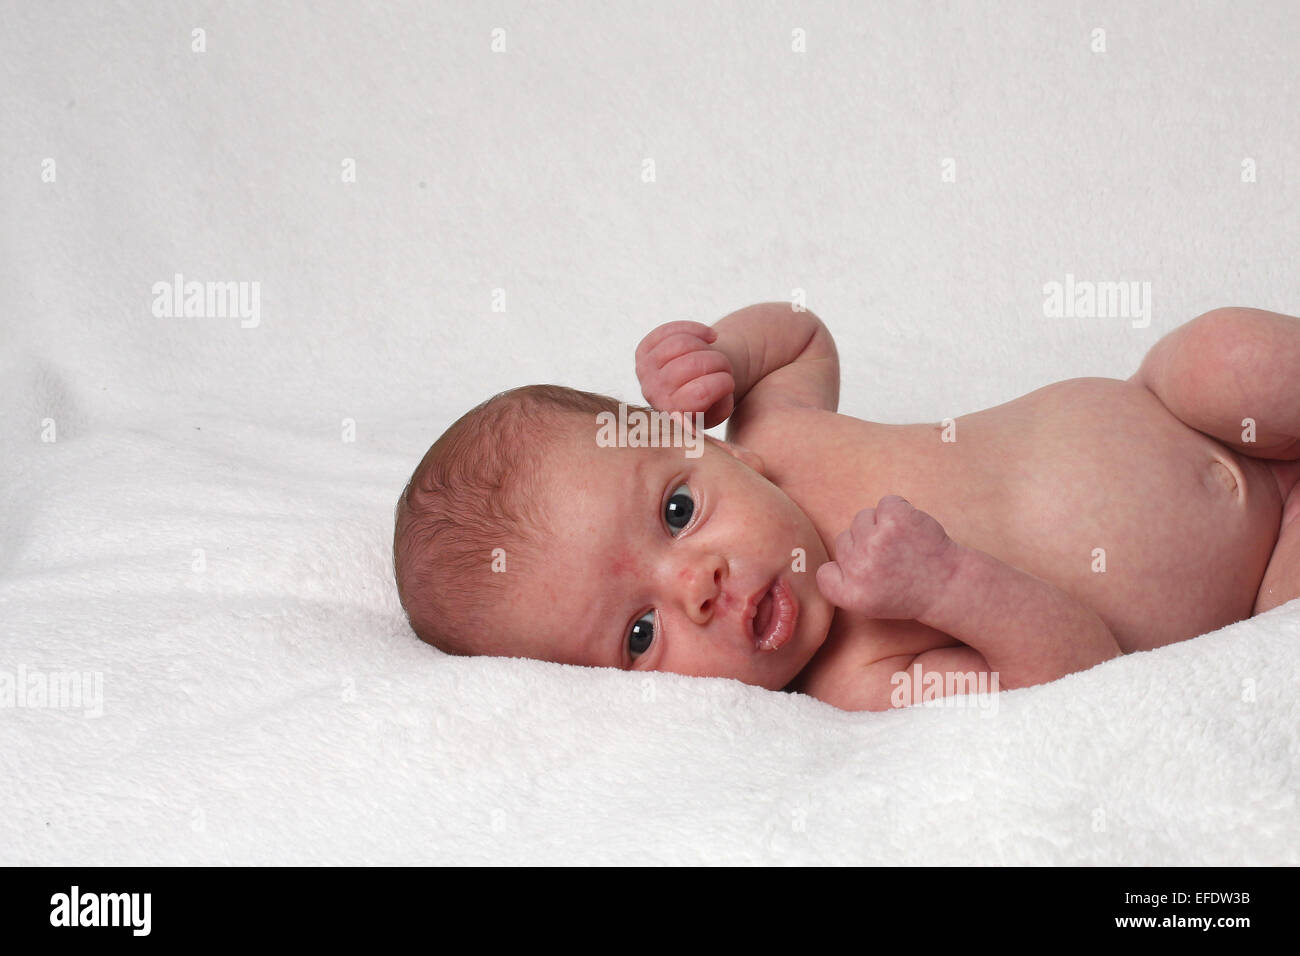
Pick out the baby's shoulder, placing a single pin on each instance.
(794, 434)
(777, 426)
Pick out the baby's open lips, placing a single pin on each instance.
(770, 615)
(762, 614)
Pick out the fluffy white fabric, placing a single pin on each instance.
(183, 515)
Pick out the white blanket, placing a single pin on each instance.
(203, 651)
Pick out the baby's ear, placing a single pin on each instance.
(740, 453)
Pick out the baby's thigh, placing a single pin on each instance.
(1282, 577)
(1233, 374)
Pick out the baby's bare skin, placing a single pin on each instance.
(1185, 526)
(1083, 520)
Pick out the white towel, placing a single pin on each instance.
(196, 513)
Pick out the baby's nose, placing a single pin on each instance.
(702, 585)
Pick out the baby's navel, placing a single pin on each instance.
(1219, 475)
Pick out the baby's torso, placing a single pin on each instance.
(1090, 484)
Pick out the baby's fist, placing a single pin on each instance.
(680, 370)
(892, 562)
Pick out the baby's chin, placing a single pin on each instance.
(788, 662)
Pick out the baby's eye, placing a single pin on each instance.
(679, 509)
(642, 634)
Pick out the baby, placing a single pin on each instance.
(1088, 519)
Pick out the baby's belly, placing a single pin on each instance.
(1100, 490)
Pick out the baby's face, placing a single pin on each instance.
(652, 560)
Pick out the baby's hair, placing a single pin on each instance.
(475, 491)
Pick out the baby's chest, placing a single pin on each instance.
(1042, 475)
(1090, 485)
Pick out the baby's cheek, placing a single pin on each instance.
(800, 529)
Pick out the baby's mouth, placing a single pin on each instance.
(774, 616)
(763, 614)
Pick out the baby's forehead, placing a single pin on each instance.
(579, 456)
(591, 498)
(560, 592)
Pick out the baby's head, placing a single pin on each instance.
(521, 534)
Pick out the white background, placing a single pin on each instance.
(273, 707)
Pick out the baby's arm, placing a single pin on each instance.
(780, 355)
(754, 357)
(897, 562)
(1029, 631)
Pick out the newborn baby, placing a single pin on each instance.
(1088, 519)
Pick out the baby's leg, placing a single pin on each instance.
(1227, 366)
(1282, 576)
(1223, 368)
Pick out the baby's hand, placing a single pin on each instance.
(892, 562)
(680, 370)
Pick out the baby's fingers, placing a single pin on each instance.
(668, 329)
(856, 535)
(670, 349)
(692, 365)
(830, 581)
(721, 410)
(701, 394)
